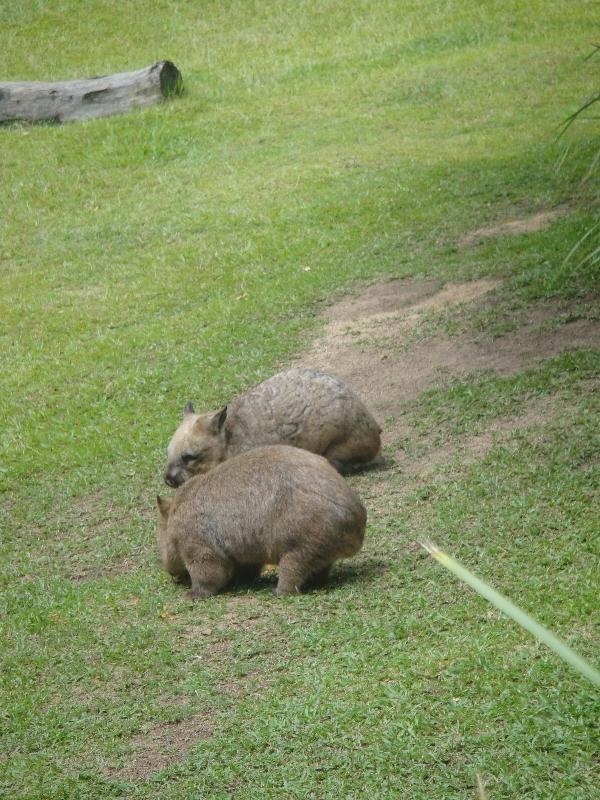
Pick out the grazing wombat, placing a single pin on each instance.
(300, 407)
(274, 504)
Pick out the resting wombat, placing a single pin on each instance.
(300, 407)
(274, 504)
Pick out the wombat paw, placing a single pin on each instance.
(199, 594)
(286, 591)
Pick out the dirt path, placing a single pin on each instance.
(369, 340)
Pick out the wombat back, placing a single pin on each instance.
(304, 408)
(273, 504)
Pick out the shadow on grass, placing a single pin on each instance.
(343, 574)
(379, 464)
(348, 573)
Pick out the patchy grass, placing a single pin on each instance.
(181, 253)
(468, 405)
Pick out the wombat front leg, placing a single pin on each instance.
(353, 452)
(173, 562)
(209, 574)
(293, 573)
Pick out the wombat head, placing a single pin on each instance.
(197, 445)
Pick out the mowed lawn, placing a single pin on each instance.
(183, 253)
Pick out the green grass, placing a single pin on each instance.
(180, 253)
(467, 406)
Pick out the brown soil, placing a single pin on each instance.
(367, 341)
(108, 570)
(215, 646)
(475, 447)
(163, 745)
(536, 222)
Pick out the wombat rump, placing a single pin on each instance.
(300, 407)
(274, 504)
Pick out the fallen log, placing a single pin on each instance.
(37, 101)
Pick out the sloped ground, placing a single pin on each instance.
(390, 341)
(373, 342)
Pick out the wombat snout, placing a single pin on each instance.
(172, 478)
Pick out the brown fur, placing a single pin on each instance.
(274, 504)
(301, 407)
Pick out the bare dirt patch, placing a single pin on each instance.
(86, 538)
(536, 222)
(89, 504)
(215, 646)
(253, 682)
(87, 517)
(246, 622)
(475, 447)
(463, 451)
(370, 341)
(111, 569)
(381, 297)
(163, 745)
(372, 350)
(399, 304)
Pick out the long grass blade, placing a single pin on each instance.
(593, 53)
(592, 167)
(480, 788)
(579, 242)
(593, 257)
(523, 619)
(562, 157)
(572, 117)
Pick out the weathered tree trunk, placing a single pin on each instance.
(92, 97)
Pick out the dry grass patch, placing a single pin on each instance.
(112, 569)
(514, 227)
(163, 745)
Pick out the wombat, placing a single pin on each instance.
(274, 504)
(305, 408)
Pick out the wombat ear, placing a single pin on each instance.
(218, 420)
(164, 505)
(189, 409)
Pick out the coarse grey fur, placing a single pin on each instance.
(276, 504)
(300, 407)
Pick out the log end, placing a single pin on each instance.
(171, 79)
